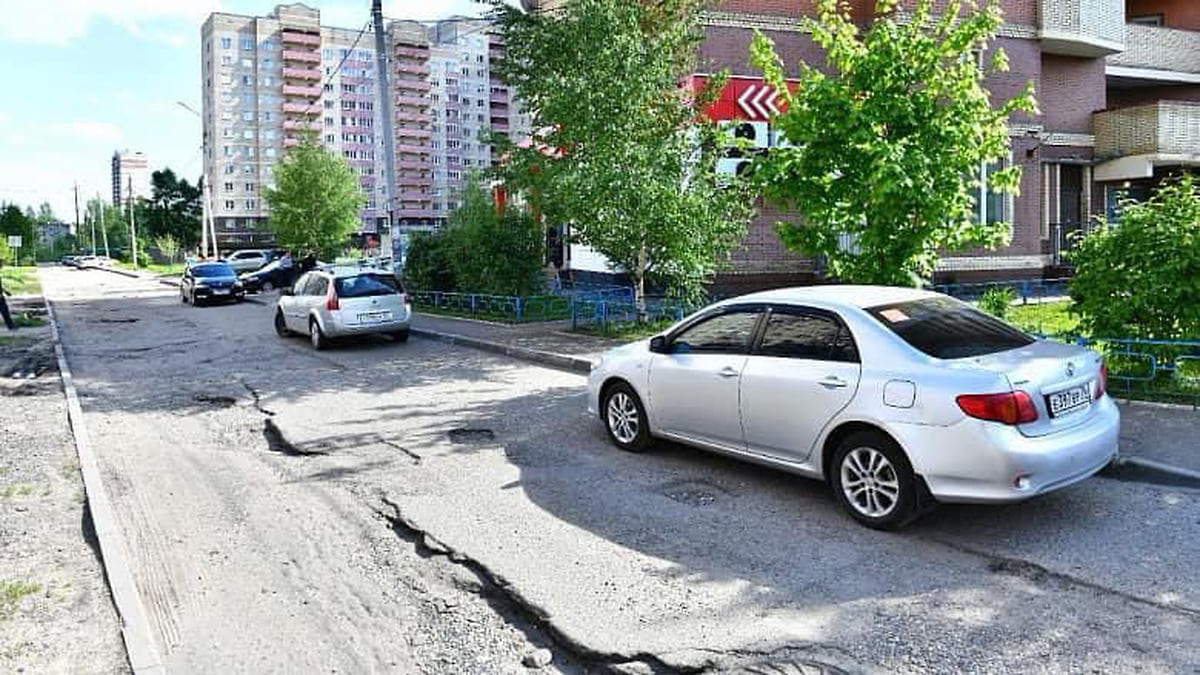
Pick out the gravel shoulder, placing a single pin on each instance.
(56, 614)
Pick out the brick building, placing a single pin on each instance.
(1118, 83)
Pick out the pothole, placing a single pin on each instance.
(277, 442)
(468, 436)
(215, 400)
(693, 492)
(117, 320)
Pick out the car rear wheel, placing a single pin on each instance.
(316, 336)
(281, 328)
(873, 481)
(400, 336)
(625, 418)
(267, 287)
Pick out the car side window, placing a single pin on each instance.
(806, 336)
(301, 284)
(318, 286)
(729, 333)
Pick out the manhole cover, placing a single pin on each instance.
(693, 492)
(471, 436)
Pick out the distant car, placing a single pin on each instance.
(210, 282)
(898, 398)
(101, 261)
(84, 261)
(248, 261)
(68, 260)
(276, 274)
(336, 302)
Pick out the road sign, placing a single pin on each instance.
(14, 241)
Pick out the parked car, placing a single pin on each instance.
(82, 261)
(335, 302)
(275, 274)
(248, 261)
(898, 398)
(210, 282)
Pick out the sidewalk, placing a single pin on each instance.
(546, 343)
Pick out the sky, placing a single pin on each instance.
(87, 77)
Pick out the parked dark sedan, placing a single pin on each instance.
(275, 274)
(210, 282)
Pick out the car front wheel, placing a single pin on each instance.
(625, 418)
(873, 481)
(281, 328)
(318, 339)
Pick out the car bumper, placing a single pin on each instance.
(986, 462)
(208, 294)
(339, 329)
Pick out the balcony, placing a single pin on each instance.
(412, 117)
(413, 100)
(301, 109)
(292, 125)
(413, 212)
(1086, 28)
(295, 90)
(410, 132)
(413, 196)
(291, 37)
(1158, 54)
(1135, 140)
(499, 97)
(413, 181)
(291, 142)
(422, 164)
(414, 52)
(311, 74)
(412, 85)
(301, 57)
(413, 149)
(499, 127)
(413, 68)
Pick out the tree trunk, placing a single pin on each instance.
(639, 286)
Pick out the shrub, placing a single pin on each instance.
(1141, 277)
(427, 264)
(997, 301)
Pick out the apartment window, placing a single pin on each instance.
(229, 168)
(452, 145)
(328, 121)
(226, 43)
(247, 63)
(229, 151)
(991, 206)
(249, 150)
(249, 187)
(248, 134)
(328, 88)
(269, 46)
(268, 63)
(248, 116)
(1148, 20)
(248, 44)
(267, 116)
(251, 204)
(228, 187)
(466, 71)
(270, 134)
(330, 138)
(230, 205)
(226, 60)
(329, 105)
(227, 133)
(247, 80)
(271, 152)
(268, 81)
(248, 170)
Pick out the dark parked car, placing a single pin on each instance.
(275, 274)
(215, 281)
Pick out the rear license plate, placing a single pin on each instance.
(374, 317)
(1068, 401)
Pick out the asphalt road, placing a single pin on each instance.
(402, 507)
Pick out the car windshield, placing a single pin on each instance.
(213, 270)
(946, 328)
(364, 285)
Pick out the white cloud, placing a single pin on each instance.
(89, 131)
(59, 22)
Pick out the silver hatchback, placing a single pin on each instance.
(332, 303)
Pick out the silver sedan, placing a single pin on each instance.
(898, 398)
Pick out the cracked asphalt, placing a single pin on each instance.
(423, 507)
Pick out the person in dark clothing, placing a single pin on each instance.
(8, 320)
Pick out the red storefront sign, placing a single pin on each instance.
(745, 98)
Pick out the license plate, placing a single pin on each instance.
(1067, 401)
(220, 291)
(374, 317)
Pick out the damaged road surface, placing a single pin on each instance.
(429, 508)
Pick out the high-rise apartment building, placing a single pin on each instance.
(129, 169)
(268, 79)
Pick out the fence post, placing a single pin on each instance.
(520, 309)
(574, 313)
(474, 304)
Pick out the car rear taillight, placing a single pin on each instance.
(331, 300)
(1102, 382)
(1014, 407)
(406, 299)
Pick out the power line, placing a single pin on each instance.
(338, 70)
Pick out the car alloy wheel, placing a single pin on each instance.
(625, 418)
(316, 336)
(869, 482)
(873, 480)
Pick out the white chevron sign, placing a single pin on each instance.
(759, 101)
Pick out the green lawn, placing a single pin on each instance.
(172, 269)
(1045, 318)
(627, 332)
(21, 280)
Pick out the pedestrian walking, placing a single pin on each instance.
(8, 320)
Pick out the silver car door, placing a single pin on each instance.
(804, 371)
(291, 303)
(694, 387)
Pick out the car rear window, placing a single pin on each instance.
(946, 328)
(213, 270)
(364, 285)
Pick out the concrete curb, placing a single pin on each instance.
(133, 275)
(139, 643)
(574, 364)
(1161, 472)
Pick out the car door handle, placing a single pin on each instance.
(727, 372)
(832, 382)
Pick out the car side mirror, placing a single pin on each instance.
(658, 344)
(288, 290)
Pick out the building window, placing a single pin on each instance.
(1148, 20)
(227, 133)
(230, 205)
(229, 168)
(248, 44)
(251, 204)
(248, 134)
(229, 152)
(226, 60)
(248, 170)
(267, 116)
(228, 187)
(248, 116)
(991, 206)
(226, 43)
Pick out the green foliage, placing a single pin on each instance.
(997, 301)
(315, 202)
(168, 246)
(1141, 278)
(889, 145)
(625, 157)
(174, 209)
(479, 251)
(13, 221)
(12, 592)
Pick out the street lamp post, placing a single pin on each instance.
(207, 222)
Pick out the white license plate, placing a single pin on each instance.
(374, 317)
(220, 291)
(1068, 401)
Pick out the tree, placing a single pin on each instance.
(14, 222)
(174, 209)
(1141, 278)
(626, 156)
(45, 214)
(489, 253)
(316, 200)
(889, 147)
(168, 246)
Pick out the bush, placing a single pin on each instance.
(997, 301)
(427, 265)
(1141, 278)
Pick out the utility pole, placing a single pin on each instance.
(93, 219)
(132, 226)
(77, 216)
(383, 79)
(204, 217)
(103, 229)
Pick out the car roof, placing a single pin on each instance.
(347, 271)
(218, 263)
(838, 295)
